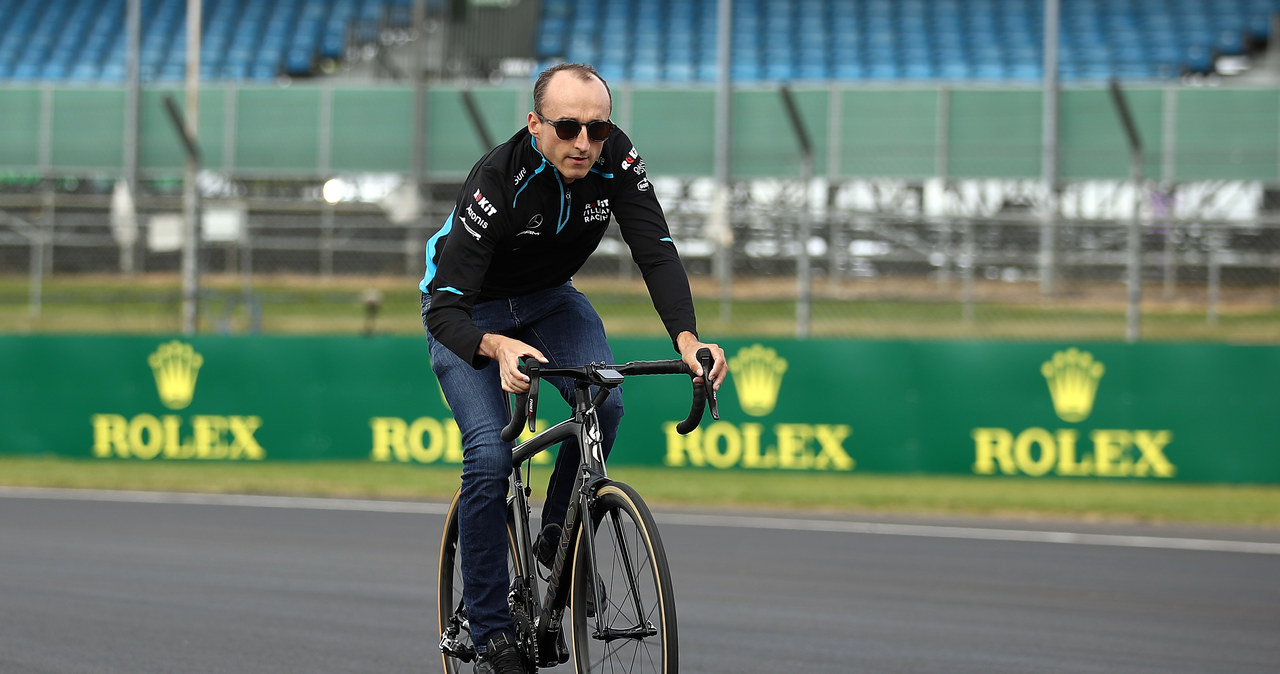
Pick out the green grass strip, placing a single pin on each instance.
(852, 494)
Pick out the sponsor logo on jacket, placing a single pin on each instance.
(596, 212)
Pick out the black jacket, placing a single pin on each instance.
(517, 227)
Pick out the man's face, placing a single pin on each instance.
(570, 97)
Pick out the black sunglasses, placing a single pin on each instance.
(568, 129)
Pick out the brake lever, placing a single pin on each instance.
(534, 369)
(706, 361)
(525, 410)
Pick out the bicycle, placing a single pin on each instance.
(623, 615)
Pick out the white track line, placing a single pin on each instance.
(975, 533)
(696, 520)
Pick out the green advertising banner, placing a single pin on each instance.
(1193, 412)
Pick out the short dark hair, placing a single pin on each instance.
(584, 72)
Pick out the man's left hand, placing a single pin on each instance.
(689, 345)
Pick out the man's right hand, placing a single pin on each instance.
(508, 352)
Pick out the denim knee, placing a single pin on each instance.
(487, 462)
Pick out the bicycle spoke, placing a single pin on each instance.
(630, 572)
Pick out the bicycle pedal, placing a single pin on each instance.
(457, 649)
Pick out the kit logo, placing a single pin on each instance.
(485, 206)
(175, 366)
(757, 375)
(1073, 377)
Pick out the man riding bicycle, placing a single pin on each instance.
(498, 288)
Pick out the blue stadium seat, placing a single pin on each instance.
(679, 72)
(953, 69)
(83, 40)
(646, 71)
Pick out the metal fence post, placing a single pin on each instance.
(1133, 315)
(1049, 149)
(804, 225)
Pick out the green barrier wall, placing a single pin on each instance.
(310, 131)
(1195, 412)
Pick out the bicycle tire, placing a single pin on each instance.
(450, 610)
(636, 628)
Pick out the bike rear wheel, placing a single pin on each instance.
(460, 656)
(629, 625)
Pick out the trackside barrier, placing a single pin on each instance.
(1188, 412)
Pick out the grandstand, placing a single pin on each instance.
(666, 41)
(892, 40)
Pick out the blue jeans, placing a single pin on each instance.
(563, 325)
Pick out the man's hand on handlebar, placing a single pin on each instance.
(508, 352)
(689, 345)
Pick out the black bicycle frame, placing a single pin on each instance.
(584, 429)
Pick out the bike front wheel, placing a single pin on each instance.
(623, 610)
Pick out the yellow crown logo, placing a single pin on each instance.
(175, 366)
(1073, 377)
(757, 374)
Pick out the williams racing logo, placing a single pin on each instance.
(175, 367)
(596, 212)
(1073, 378)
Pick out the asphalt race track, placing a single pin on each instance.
(103, 582)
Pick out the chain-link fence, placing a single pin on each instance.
(882, 259)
